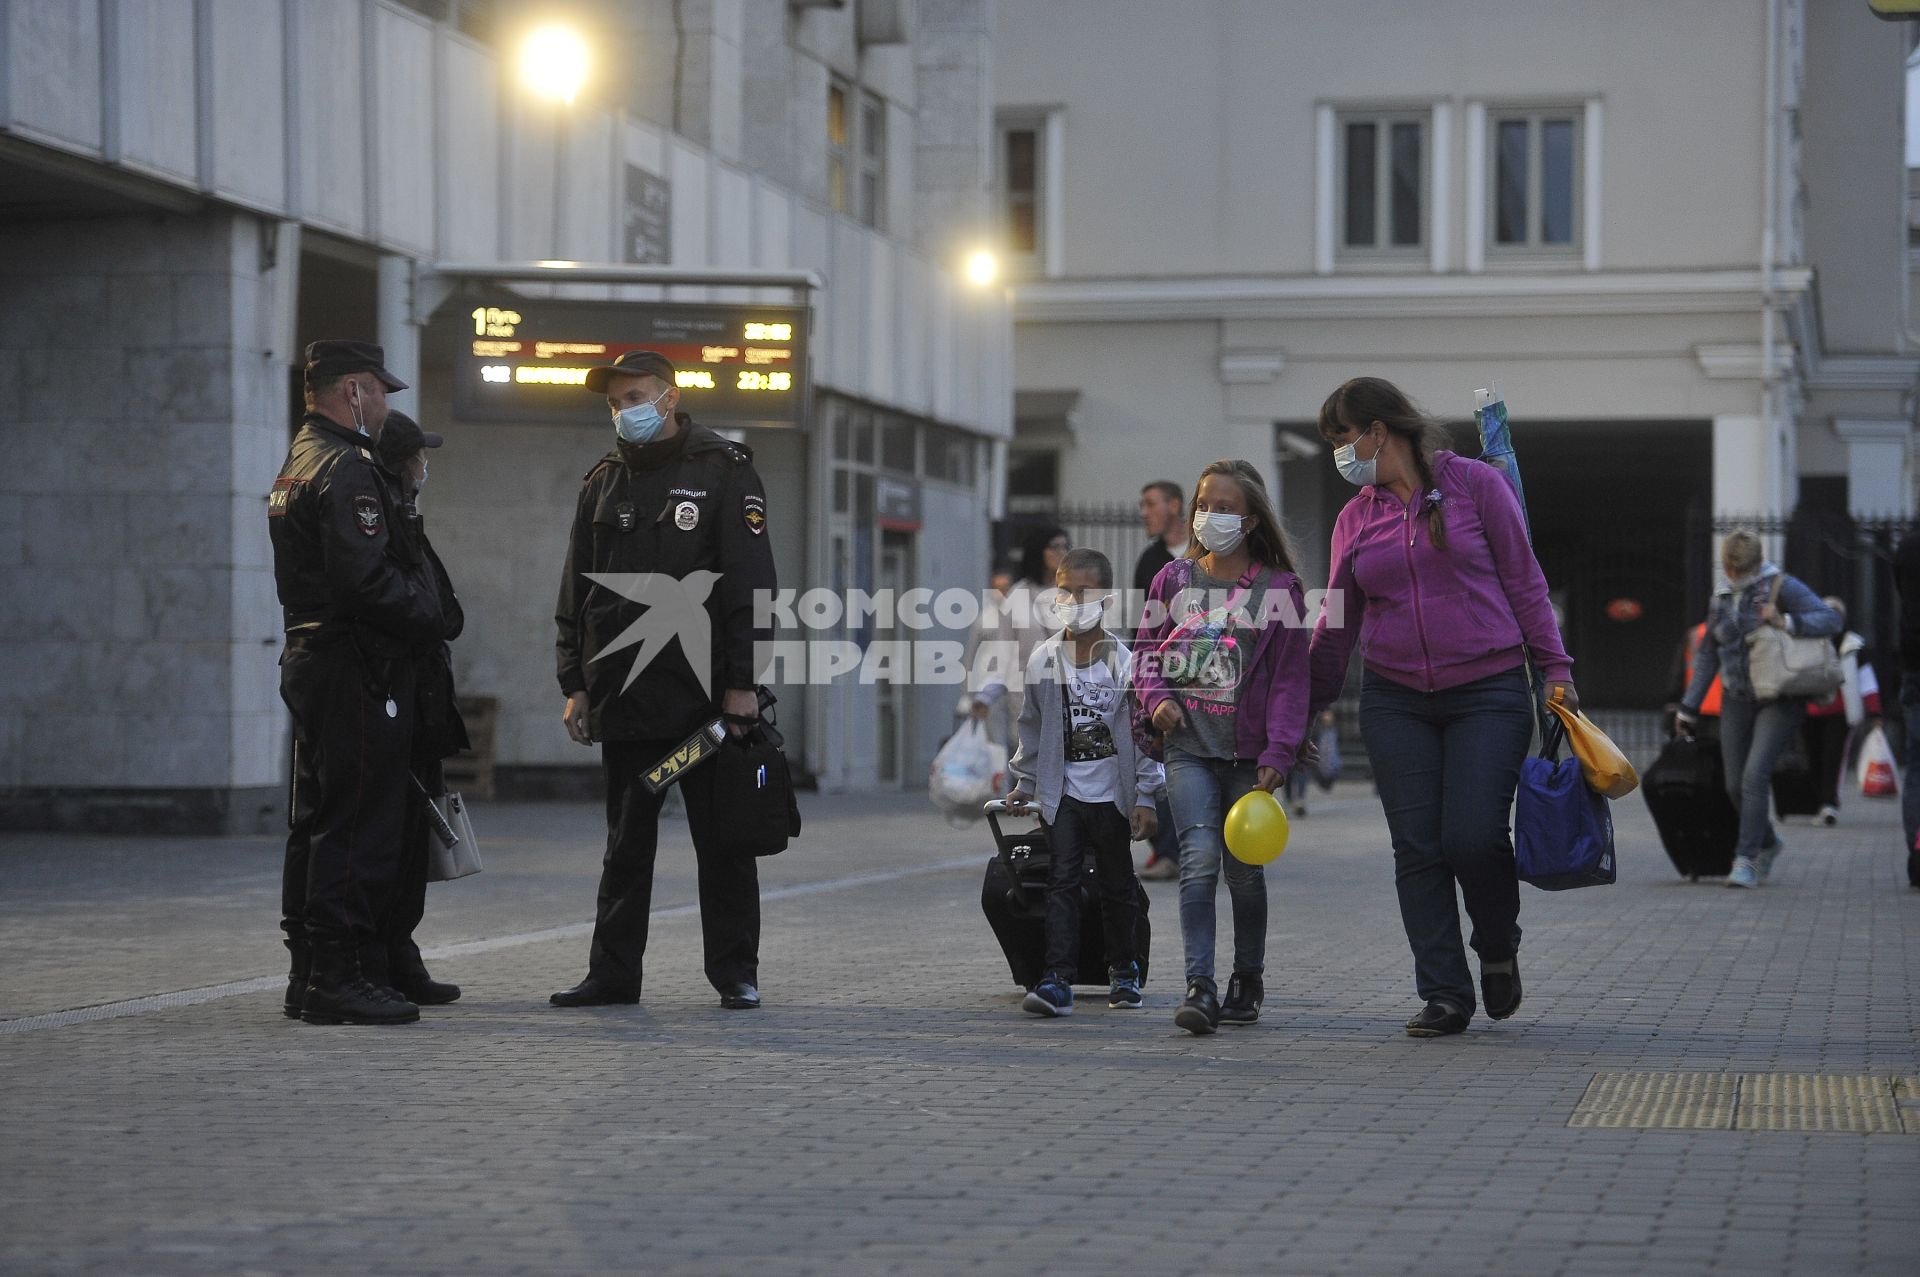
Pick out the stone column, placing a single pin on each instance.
(1879, 465)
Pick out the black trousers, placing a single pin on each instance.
(729, 884)
(1081, 830)
(1825, 739)
(349, 791)
(406, 904)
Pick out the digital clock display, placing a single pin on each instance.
(527, 359)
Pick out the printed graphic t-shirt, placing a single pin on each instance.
(1207, 699)
(1094, 700)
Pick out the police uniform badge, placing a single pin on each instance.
(366, 513)
(754, 511)
(686, 516)
(623, 516)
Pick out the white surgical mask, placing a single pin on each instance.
(423, 477)
(1219, 533)
(1082, 617)
(1355, 471)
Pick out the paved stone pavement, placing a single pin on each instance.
(891, 1111)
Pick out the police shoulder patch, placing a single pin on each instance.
(366, 515)
(753, 509)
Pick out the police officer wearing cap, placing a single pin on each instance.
(677, 501)
(438, 733)
(357, 602)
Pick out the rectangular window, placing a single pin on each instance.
(1535, 180)
(1383, 183)
(1020, 169)
(838, 150)
(873, 161)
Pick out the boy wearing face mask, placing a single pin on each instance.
(1077, 757)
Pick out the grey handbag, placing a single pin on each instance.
(452, 852)
(1780, 665)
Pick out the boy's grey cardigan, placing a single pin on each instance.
(1039, 766)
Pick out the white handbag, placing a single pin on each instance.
(453, 853)
(1780, 665)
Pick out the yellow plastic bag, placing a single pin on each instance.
(1606, 769)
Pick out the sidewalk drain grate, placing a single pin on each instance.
(1856, 1103)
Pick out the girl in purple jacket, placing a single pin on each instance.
(1222, 669)
(1441, 590)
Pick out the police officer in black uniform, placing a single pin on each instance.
(677, 500)
(356, 603)
(438, 733)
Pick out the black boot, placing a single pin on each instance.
(410, 978)
(340, 994)
(373, 965)
(1200, 1013)
(1245, 992)
(298, 975)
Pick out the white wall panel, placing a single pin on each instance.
(470, 198)
(530, 155)
(846, 298)
(403, 144)
(157, 87)
(879, 375)
(912, 385)
(587, 231)
(53, 70)
(731, 224)
(333, 167)
(941, 331)
(812, 249)
(249, 146)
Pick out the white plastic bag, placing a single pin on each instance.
(1877, 774)
(968, 772)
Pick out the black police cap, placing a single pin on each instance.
(402, 436)
(336, 358)
(635, 363)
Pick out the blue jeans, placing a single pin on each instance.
(1753, 735)
(1446, 764)
(1201, 791)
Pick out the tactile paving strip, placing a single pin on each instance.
(1751, 1102)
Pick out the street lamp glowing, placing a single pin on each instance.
(982, 268)
(553, 63)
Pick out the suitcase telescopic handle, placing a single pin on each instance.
(997, 808)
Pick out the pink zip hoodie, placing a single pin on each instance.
(1433, 619)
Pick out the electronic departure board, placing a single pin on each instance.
(527, 359)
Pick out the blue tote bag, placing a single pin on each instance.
(1562, 829)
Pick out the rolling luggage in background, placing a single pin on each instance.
(1796, 790)
(1014, 898)
(1686, 793)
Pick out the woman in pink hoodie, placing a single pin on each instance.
(1440, 589)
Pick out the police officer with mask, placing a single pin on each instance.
(672, 527)
(356, 603)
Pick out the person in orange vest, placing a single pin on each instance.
(1710, 705)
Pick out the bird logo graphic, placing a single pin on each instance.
(676, 609)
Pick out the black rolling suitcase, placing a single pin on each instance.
(1796, 790)
(1014, 898)
(1686, 792)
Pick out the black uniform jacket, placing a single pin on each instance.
(344, 558)
(438, 730)
(687, 508)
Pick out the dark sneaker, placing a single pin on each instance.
(1200, 1013)
(1052, 996)
(1500, 987)
(1244, 995)
(1437, 1020)
(1124, 995)
(355, 1001)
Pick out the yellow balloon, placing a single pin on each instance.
(1257, 828)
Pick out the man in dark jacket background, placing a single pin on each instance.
(656, 636)
(356, 602)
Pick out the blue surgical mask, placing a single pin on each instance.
(641, 422)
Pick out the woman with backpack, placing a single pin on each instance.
(1438, 585)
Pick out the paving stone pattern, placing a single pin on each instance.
(892, 1111)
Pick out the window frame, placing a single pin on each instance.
(1045, 123)
(870, 161)
(841, 153)
(1536, 117)
(1383, 250)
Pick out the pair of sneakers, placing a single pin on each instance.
(1054, 994)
